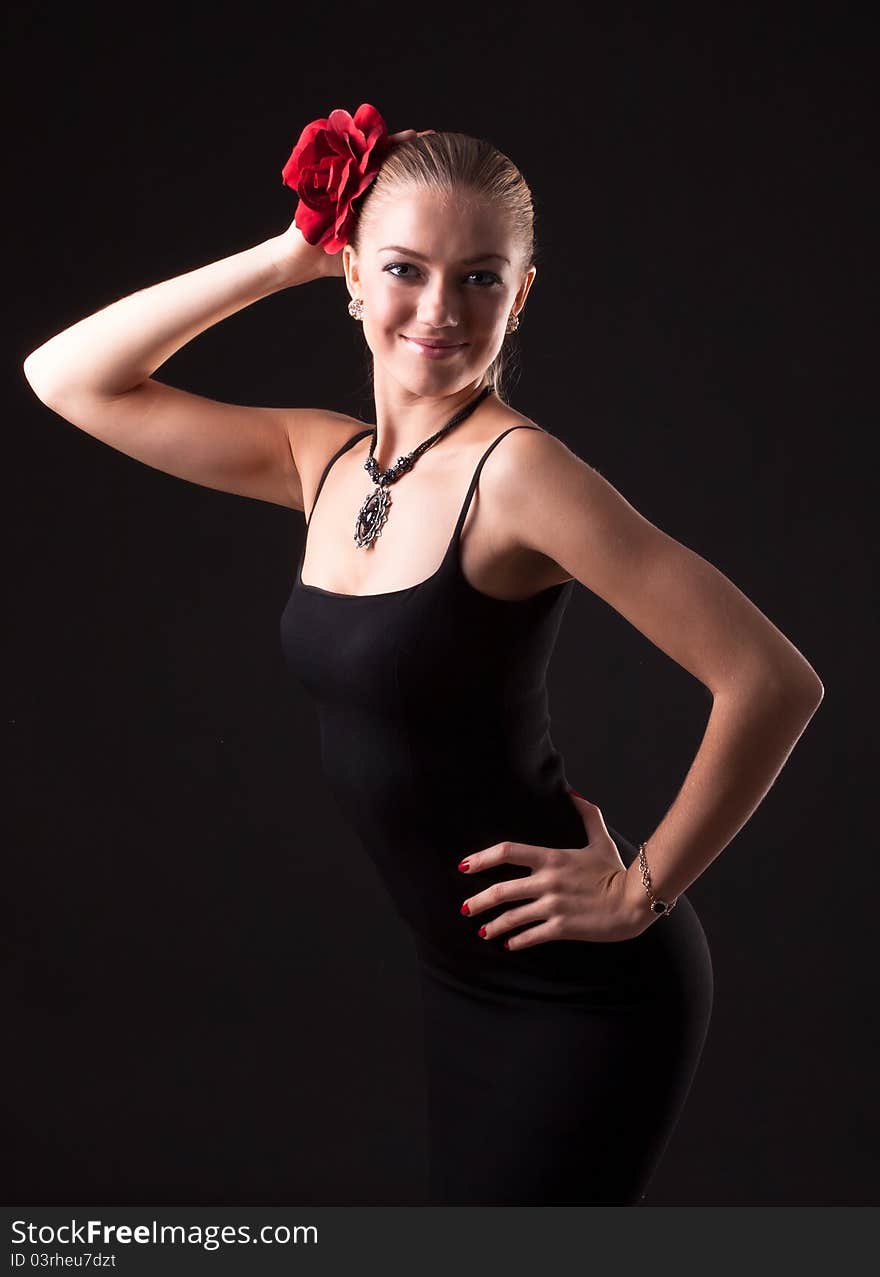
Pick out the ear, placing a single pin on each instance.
(523, 290)
(350, 267)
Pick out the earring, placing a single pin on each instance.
(356, 308)
(512, 322)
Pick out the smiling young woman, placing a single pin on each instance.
(566, 979)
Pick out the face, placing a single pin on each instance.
(438, 278)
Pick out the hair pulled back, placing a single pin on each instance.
(447, 163)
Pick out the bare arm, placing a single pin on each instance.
(97, 374)
(764, 690)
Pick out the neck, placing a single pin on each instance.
(404, 420)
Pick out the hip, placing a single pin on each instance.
(668, 964)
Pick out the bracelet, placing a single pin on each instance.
(657, 906)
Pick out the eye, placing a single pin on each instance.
(393, 266)
(490, 276)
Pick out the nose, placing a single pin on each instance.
(437, 307)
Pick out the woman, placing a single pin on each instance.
(567, 983)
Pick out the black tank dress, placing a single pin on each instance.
(556, 1073)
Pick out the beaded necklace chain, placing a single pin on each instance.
(373, 514)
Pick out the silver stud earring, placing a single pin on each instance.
(356, 308)
(512, 322)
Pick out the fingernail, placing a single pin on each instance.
(464, 866)
(464, 908)
(482, 932)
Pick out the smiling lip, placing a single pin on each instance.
(427, 341)
(433, 349)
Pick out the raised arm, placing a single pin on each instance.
(97, 374)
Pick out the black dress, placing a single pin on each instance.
(556, 1073)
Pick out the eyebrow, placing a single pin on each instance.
(409, 252)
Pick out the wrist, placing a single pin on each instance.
(293, 260)
(636, 902)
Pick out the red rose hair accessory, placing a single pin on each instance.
(334, 162)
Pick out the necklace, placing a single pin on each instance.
(373, 514)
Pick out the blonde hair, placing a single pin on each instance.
(456, 163)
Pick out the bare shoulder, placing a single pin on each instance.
(560, 505)
(534, 457)
(314, 435)
(556, 504)
(549, 501)
(524, 482)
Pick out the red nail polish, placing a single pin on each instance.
(464, 866)
(482, 932)
(507, 944)
(574, 791)
(464, 908)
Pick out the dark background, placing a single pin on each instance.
(207, 996)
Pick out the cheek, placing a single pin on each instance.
(492, 308)
(492, 317)
(387, 307)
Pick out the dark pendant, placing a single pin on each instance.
(371, 517)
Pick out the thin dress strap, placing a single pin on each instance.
(349, 443)
(476, 477)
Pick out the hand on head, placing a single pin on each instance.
(406, 134)
(333, 264)
(328, 212)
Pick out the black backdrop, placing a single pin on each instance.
(206, 994)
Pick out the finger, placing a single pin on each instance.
(405, 134)
(501, 893)
(539, 934)
(533, 912)
(592, 817)
(510, 853)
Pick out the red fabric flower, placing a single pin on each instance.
(333, 162)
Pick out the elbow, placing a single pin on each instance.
(791, 679)
(801, 689)
(34, 376)
(817, 687)
(40, 379)
(804, 686)
(817, 692)
(797, 686)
